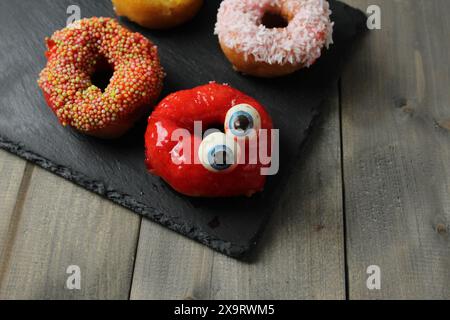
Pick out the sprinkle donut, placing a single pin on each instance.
(88, 46)
(271, 38)
(198, 164)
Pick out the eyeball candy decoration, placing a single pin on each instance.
(215, 164)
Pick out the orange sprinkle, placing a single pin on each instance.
(73, 56)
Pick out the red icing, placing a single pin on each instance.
(209, 104)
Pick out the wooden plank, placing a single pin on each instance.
(396, 137)
(58, 225)
(11, 176)
(301, 255)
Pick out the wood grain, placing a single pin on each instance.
(56, 225)
(395, 106)
(396, 138)
(11, 178)
(301, 255)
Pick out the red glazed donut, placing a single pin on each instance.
(271, 38)
(200, 173)
(76, 53)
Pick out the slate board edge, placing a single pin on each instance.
(124, 200)
(97, 187)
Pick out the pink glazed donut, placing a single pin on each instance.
(272, 38)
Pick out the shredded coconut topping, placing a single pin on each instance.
(310, 29)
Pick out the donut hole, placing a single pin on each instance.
(218, 127)
(102, 74)
(274, 20)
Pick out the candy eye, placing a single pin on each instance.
(242, 121)
(218, 153)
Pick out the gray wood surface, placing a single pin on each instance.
(11, 174)
(396, 137)
(301, 255)
(395, 127)
(54, 225)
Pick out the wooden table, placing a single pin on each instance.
(372, 188)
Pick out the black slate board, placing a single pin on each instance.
(115, 169)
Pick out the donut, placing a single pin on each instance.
(272, 38)
(85, 48)
(158, 14)
(213, 166)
